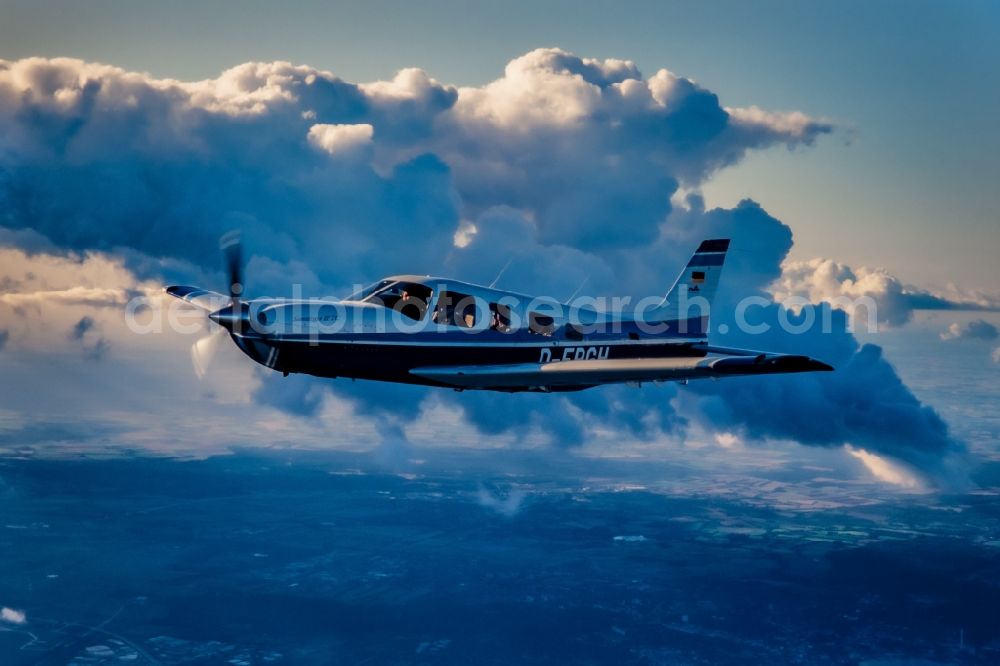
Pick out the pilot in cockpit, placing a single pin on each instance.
(411, 306)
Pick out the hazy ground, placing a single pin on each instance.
(308, 558)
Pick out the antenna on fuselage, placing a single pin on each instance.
(502, 271)
(573, 295)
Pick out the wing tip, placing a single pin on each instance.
(181, 291)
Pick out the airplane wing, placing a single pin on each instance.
(593, 372)
(211, 301)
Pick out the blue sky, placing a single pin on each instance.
(552, 137)
(908, 182)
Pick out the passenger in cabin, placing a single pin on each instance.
(500, 318)
(455, 309)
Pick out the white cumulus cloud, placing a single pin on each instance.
(13, 616)
(342, 139)
(886, 470)
(873, 294)
(563, 165)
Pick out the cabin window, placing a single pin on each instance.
(500, 317)
(455, 309)
(540, 324)
(573, 333)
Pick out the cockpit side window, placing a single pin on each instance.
(455, 309)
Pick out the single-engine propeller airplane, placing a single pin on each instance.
(447, 333)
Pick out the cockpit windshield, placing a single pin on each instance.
(409, 298)
(369, 290)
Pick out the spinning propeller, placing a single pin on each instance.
(232, 256)
(229, 317)
(203, 351)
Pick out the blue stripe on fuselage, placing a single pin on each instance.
(707, 260)
(693, 327)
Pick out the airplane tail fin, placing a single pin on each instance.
(689, 301)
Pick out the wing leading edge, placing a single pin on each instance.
(209, 301)
(594, 371)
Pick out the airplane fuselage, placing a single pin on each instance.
(362, 338)
(396, 356)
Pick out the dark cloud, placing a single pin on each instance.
(4, 337)
(81, 328)
(36, 432)
(863, 402)
(98, 349)
(978, 329)
(295, 394)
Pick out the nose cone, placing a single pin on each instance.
(228, 318)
